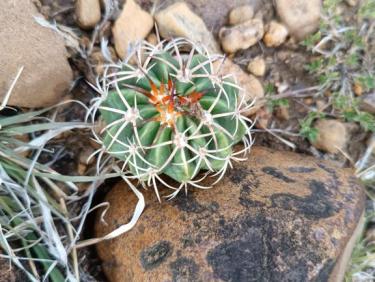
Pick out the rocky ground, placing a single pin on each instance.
(306, 102)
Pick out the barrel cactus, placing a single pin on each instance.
(172, 113)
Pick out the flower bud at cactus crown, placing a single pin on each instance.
(172, 113)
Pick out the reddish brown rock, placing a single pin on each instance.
(279, 216)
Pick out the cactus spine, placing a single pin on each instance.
(172, 113)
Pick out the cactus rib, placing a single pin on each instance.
(172, 113)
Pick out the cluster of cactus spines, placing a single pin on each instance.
(172, 113)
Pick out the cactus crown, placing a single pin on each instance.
(172, 113)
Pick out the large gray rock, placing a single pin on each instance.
(23, 42)
(279, 216)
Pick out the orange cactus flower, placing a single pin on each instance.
(164, 101)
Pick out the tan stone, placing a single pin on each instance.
(253, 89)
(279, 214)
(282, 112)
(131, 27)
(88, 13)
(241, 36)
(263, 118)
(46, 76)
(178, 20)
(357, 89)
(332, 135)
(257, 66)
(241, 14)
(276, 34)
(352, 3)
(152, 39)
(300, 16)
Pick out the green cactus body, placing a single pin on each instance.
(171, 114)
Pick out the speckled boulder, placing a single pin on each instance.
(279, 216)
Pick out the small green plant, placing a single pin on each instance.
(307, 130)
(367, 10)
(345, 61)
(172, 113)
(272, 103)
(349, 110)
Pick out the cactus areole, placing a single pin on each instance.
(172, 113)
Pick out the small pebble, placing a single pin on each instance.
(308, 101)
(131, 27)
(88, 13)
(242, 36)
(352, 2)
(282, 87)
(276, 34)
(332, 136)
(152, 39)
(257, 66)
(357, 89)
(241, 14)
(282, 112)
